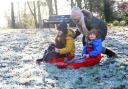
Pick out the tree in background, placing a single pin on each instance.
(50, 7)
(32, 9)
(37, 9)
(12, 16)
(39, 13)
(35, 14)
(55, 2)
(95, 6)
(79, 3)
(108, 10)
(91, 5)
(27, 19)
(123, 8)
(72, 4)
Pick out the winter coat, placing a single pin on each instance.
(70, 44)
(93, 22)
(96, 47)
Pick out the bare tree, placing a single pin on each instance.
(12, 16)
(50, 7)
(72, 4)
(79, 3)
(55, 1)
(39, 13)
(33, 12)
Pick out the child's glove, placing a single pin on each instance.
(86, 55)
(56, 50)
(51, 48)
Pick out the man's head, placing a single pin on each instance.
(76, 14)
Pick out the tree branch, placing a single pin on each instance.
(30, 9)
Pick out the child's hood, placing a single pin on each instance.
(97, 40)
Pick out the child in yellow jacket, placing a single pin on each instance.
(64, 41)
(64, 44)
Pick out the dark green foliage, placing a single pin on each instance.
(108, 13)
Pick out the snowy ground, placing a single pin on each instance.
(20, 48)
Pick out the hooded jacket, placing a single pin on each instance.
(96, 47)
(70, 44)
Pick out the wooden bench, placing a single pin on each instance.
(57, 19)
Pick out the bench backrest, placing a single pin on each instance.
(60, 18)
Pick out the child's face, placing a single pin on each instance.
(92, 36)
(60, 33)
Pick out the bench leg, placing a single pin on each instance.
(55, 26)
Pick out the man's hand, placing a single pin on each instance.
(77, 33)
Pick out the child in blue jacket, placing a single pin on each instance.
(92, 49)
(94, 43)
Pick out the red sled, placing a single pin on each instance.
(60, 62)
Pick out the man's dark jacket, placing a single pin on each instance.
(94, 22)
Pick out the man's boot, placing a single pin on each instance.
(110, 53)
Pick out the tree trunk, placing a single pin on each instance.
(85, 4)
(12, 16)
(79, 3)
(90, 5)
(33, 12)
(39, 14)
(55, 1)
(71, 4)
(107, 11)
(35, 16)
(50, 7)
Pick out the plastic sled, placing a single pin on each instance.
(60, 62)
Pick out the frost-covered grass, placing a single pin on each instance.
(20, 48)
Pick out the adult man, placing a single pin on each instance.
(85, 21)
